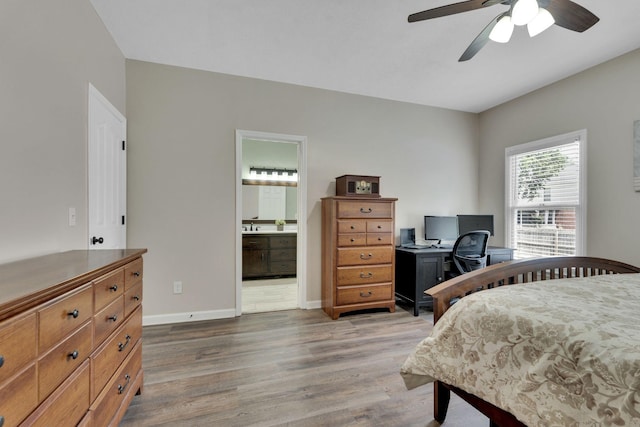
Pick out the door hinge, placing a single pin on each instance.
(123, 146)
(122, 219)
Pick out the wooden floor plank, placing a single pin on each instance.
(286, 368)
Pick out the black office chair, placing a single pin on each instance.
(470, 252)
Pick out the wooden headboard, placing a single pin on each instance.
(521, 271)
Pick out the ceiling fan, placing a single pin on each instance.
(537, 15)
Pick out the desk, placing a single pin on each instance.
(420, 269)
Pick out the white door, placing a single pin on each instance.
(107, 171)
(272, 202)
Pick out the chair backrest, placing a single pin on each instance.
(470, 251)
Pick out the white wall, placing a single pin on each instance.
(182, 168)
(604, 100)
(49, 52)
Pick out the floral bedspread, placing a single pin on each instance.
(556, 353)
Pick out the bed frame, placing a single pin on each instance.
(508, 273)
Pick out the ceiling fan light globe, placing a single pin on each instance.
(541, 22)
(524, 11)
(502, 31)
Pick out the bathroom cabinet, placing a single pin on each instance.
(268, 255)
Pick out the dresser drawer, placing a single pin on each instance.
(67, 405)
(118, 388)
(19, 397)
(363, 294)
(359, 239)
(383, 226)
(132, 299)
(363, 256)
(132, 273)
(364, 275)
(56, 365)
(379, 239)
(107, 320)
(108, 288)
(114, 351)
(17, 345)
(64, 315)
(352, 226)
(364, 209)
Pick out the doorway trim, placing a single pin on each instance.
(301, 257)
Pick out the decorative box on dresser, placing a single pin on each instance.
(358, 256)
(70, 338)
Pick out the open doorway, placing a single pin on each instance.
(270, 190)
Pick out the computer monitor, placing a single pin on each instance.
(441, 228)
(468, 223)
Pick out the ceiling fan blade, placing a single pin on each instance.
(482, 39)
(450, 9)
(487, 3)
(570, 15)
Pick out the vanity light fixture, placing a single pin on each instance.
(273, 175)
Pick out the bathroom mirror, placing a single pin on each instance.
(269, 202)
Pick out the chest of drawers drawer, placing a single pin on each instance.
(107, 288)
(365, 256)
(364, 209)
(364, 274)
(63, 315)
(132, 298)
(364, 294)
(133, 274)
(114, 351)
(108, 319)
(61, 360)
(18, 396)
(17, 345)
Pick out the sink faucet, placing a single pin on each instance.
(251, 229)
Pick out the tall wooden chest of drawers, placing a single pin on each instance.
(358, 256)
(70, 338)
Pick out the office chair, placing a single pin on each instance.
(470, 252)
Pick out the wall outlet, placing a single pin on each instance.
(177, 287)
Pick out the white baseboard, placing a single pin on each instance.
(163, 319)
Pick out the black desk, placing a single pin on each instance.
(420, 269)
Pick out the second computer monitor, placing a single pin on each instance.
(441, 228)
(467, 223)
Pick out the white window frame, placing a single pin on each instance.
(581, 208)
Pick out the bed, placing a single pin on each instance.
(563, 350)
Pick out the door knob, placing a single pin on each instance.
(95, 240)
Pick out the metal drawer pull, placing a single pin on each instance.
(75, 313)
(122, 346)
(363, 256)
(353, 240)
(122, 388)
(1, 361)
(113, 318)
(368, 275)
(74, 354)
(366, 294)
(136, 273)
(136, 297)
(368, 210)
(353, 227)
(113, 288)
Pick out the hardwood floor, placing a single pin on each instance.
(259, 296)
(287, 368)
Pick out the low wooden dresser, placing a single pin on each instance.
(358, 257)
(70, 338)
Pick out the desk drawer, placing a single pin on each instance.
(63, 316)
(19, 397)
(364, 209)
(364, 275)
(365, 256)
(56, 365)
(17, 345)
(363, 294)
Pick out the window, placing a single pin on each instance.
(545, 196)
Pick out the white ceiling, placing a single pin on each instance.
(367, 47)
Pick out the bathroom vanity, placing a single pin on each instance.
(268, 254)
